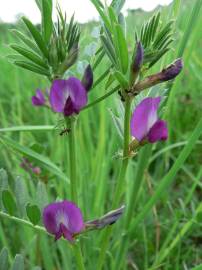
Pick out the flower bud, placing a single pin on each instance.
(108, 219)
(87, 79)
(172, 70)
(166, 74)
(137, 58)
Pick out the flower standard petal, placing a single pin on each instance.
(58, 95)
(75, 218)
(50, 218)
(38, 99)
(144, 117)
(159, 132)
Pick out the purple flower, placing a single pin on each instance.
(68, 96)
(63, 219)
(145, 124)
(39, 98)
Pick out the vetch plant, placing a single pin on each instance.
(69, 211)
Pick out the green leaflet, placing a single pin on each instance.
(29, 55)
(32, 67)
(18, 263)
(36, 36)
(122, 47)
(33, 213)
(27, 41)
(9, 202)
(4, 258)
(47, 24)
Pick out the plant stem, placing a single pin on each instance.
(72, 162)
(73, 184)
(143, 160)
(120, 181)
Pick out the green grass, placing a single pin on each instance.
(164, 231)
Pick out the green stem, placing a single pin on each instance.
(124, 165)
(23, 222)
(143, 160)
(73, 184)
(72, 162)
(120, 181)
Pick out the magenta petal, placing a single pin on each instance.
(159, 132)
(59, 93)
(49, 218)
(38, 99)
(68, 96)
(63, 218)
(76, 223)
(144, 117)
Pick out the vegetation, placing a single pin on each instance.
(165, 228)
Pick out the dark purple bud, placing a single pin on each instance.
(172, 70)
(108, 219)
(166, 74)
(138, 58)
(87, 79)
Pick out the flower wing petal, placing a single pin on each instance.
(58, 95)
(50, 213)
(159, 132)
(77, 93)
(38, 99)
